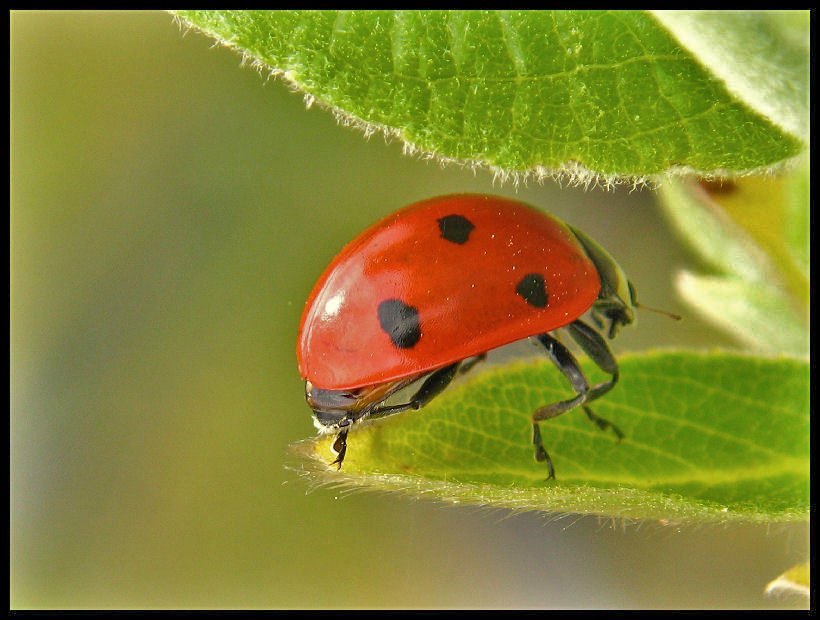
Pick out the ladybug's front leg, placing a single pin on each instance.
(340, 448)
(433, 386)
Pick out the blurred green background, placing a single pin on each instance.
(170, 212)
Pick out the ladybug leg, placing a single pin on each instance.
(340, 448)
(596, 347)
(468, 366)
(568, 365)
(432, 387)
(596, 318)
(541, 454)
(602, 423)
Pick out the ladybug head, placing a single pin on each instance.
(338, 409)
(618, 314)
(332, 409)
(621, 312)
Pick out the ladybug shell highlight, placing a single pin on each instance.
(439, 281)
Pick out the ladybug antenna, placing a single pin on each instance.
(635, 304)
(676, 317)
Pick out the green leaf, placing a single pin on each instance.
(752, 234)
(717, 437)
(761, 56)
(797, 220)
(796, 580)
(756, 313)
(609, 94)
(772, 211)
(720, 242)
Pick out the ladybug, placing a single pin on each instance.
(424, 294)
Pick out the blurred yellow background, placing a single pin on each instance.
(170, 212)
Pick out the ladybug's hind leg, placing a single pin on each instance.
(596, 347)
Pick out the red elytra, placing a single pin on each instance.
(467, 265)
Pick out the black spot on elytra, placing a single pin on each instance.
(533, 289)
(400, 322)
(455, 228)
